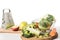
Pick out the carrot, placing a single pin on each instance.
(53, 32)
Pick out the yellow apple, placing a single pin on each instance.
(22, 25)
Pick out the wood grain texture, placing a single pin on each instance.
(8, 31)
(35, 38)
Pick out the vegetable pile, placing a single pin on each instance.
(39, 29)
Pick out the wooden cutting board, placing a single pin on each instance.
(35, 38)
(8, 31)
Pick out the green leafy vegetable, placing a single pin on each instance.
(46, 22)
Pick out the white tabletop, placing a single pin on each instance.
(9, 36)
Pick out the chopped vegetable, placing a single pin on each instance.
(50, 18)
(36, 24)
(32, 25)
(42, 28)
(27, 34)
(46, 23)
(46, 34)
(39, 29)
(34, 31)
(53, 32)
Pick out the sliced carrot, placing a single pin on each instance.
(53, 32)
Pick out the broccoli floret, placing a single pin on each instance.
(27, 34)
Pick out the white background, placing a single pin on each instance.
(28, 10)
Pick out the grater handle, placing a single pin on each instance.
(6, 10)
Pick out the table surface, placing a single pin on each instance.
(9, 35)
(14, 35)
